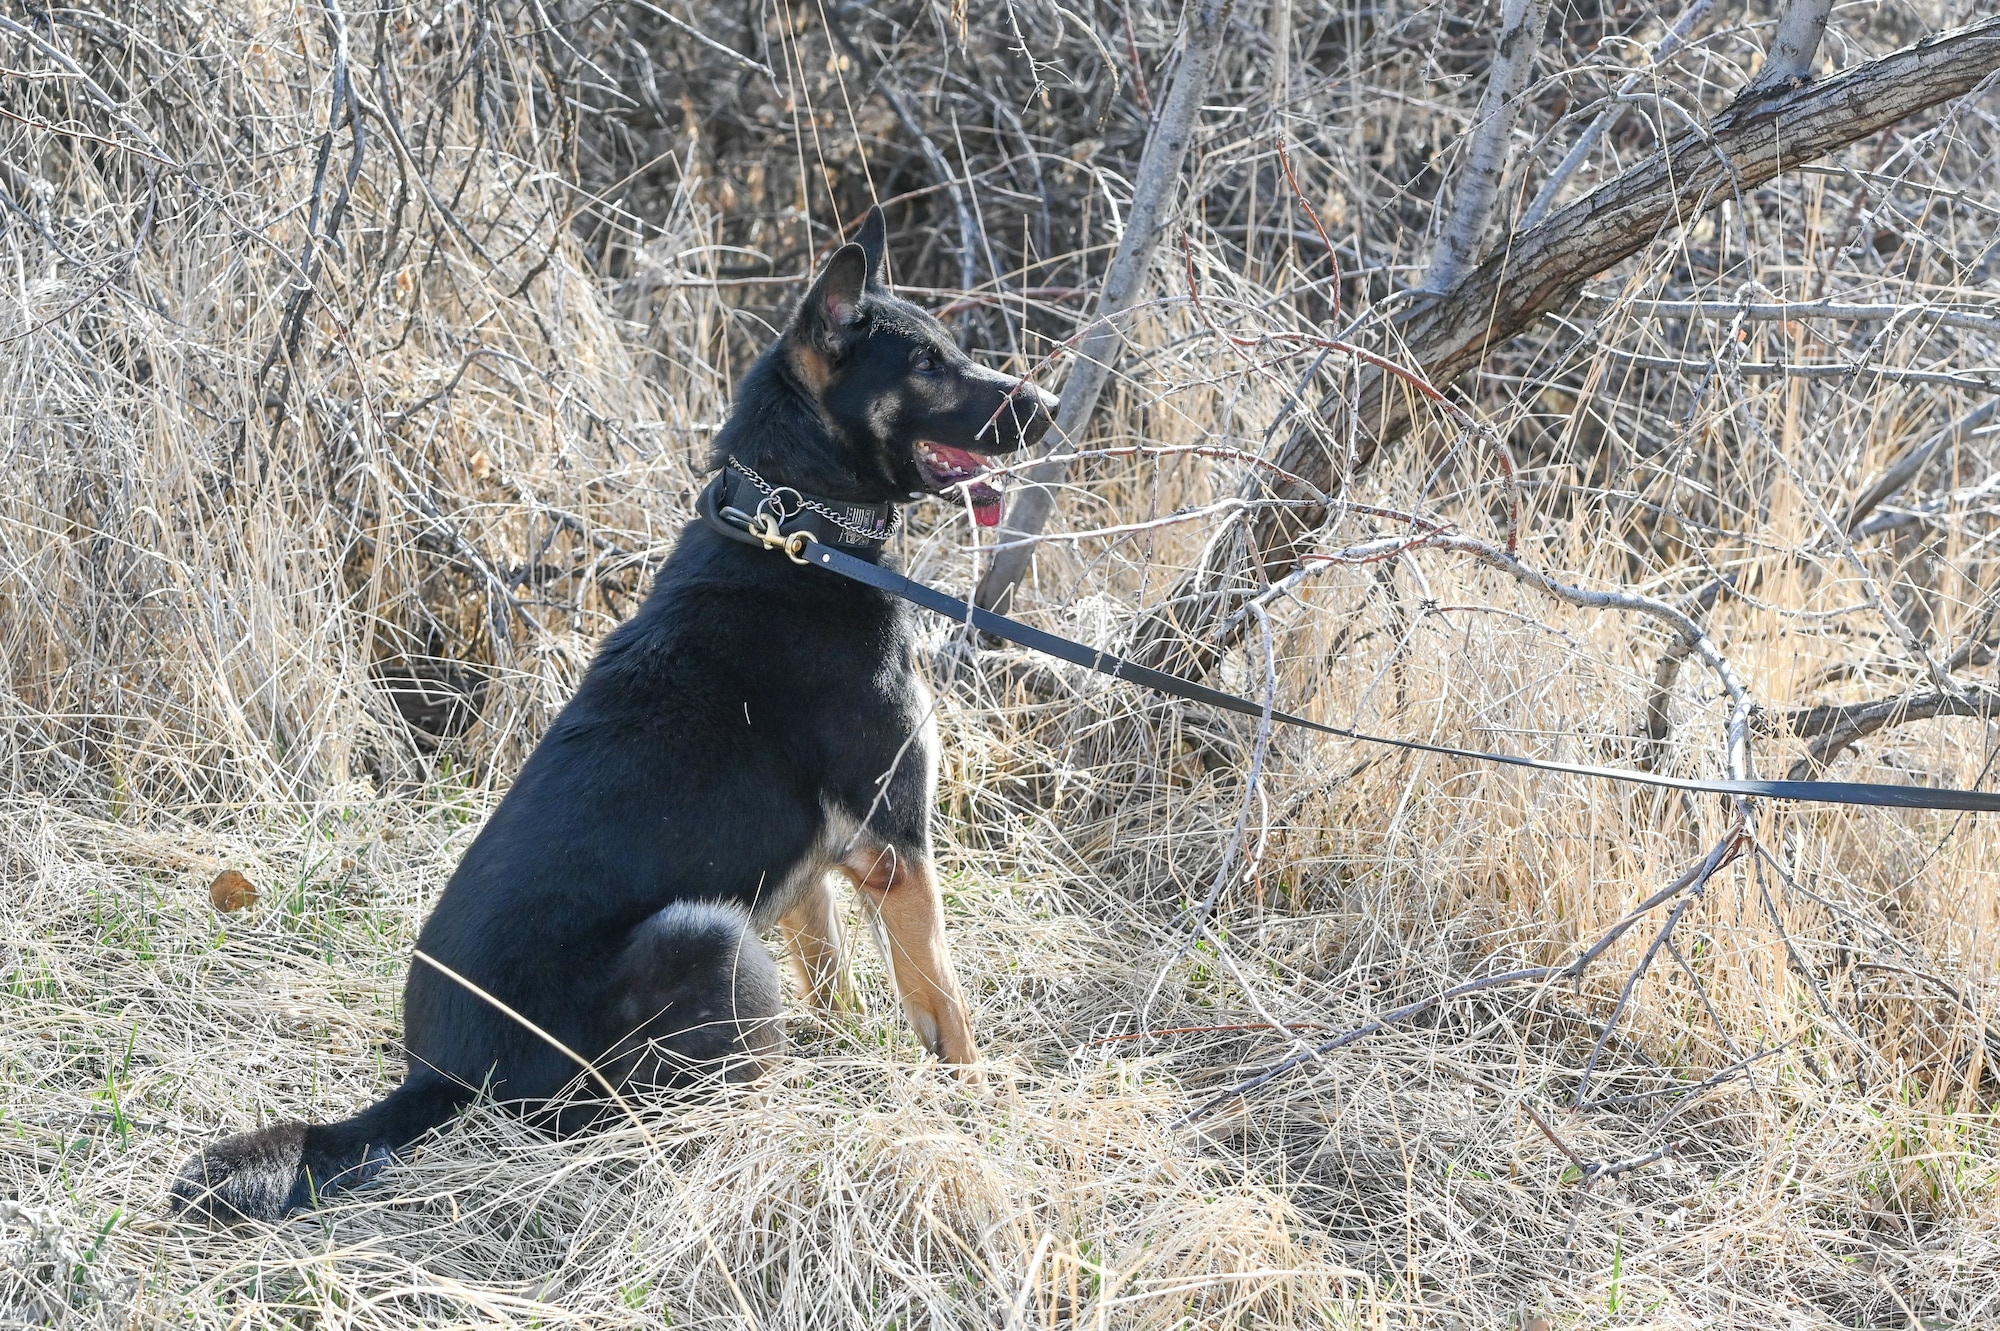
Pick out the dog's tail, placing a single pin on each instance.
(267, 1174)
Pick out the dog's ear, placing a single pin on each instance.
(874, 242)
(834, 302)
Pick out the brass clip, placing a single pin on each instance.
(764, 526)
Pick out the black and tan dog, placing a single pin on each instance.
(754, 727)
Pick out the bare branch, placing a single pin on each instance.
(1789, 62)
(1659, 723)
(1479, 180)
(1836, 727)
(1544, 268)
(1785, 311)
(1159, 172)
(1545, 197)
(1910, 463)
(941, 169)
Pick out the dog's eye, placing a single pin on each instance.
(925, 363)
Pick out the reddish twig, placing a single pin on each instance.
(1138, 70)
(1312, 213)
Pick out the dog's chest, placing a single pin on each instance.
(859, 694)
(877, 790)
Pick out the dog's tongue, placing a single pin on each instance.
(988, 507)
(958, 459)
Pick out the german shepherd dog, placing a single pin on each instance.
(754, 727)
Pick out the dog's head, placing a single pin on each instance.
(902, 410)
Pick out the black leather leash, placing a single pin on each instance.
(765, 531)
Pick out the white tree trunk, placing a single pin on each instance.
(1789, 62)
(1097, 350)
(1479, 179)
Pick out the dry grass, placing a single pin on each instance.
(223, 551)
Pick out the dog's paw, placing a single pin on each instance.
(253, 1176)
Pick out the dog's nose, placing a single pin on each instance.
(1034, 406)
(1034, 410)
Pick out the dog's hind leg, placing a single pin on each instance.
(812, 932)
(900, 890)
(693, 993)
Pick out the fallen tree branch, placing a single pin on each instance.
(1544, 268)
(1911, 462)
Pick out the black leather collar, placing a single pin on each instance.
(861, 529)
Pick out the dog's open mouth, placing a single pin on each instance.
(949, 467)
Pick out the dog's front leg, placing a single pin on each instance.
(901, 892)
(813, 931)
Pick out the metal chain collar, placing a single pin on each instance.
(806, 503)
